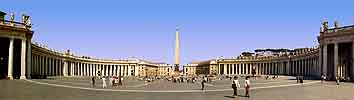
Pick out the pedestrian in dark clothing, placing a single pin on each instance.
(247, 86)
(235, 85)
(93, 81)
(203, 81)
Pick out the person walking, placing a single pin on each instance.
(203, 81)
(93, 81)
(247, 86)
(235, 85)
(104, 85)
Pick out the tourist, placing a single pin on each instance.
(322, 78)
(235, 85)
(120, 81)
(104, 85)
(93, 81)
(110, 81)
(203, 81)
(247, 86)
(113, 82)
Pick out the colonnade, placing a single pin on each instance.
(300, 66)
(305, 66)
(57, 66)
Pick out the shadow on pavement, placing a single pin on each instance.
(229, 96)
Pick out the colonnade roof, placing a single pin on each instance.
(309, 53)
(340, 29)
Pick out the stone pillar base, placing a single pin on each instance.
(10, 77)
(23, 77)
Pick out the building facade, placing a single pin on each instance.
(303, 62)
(20, 58)
(336, 52)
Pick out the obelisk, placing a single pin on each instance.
(177, 51)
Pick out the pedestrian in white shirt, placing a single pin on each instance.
(104, 85)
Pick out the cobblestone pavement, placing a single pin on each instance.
(21, 90)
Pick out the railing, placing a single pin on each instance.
(15, 24)
(344, 28)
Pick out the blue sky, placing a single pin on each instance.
(209, 28)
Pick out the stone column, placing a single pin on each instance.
(239, 69)
(129, 70)
(10, 60)
(119, 70)
(23, 59)
(59, 67)
(90, 69)
(218, 66)
(76, 69)
(324, 63)
(109, 72)
(336, 64)
(72, 69)
(94, 70)
(315, 70)
(353, 62)
(65, 68)
(126, 69)
(276, 68)
(123, 70)
(301, 67)
(50, 65)
(114, 70)
(306, 66)
(106, 69)
(232, 69)
(290, 67)
(45, 65)
(296, 67)
(93, 67)
(262, 69)
(287, 68)
(224, 67)
(54, 67)
(29, 59)
(265, 68)
(81, 69)
(85, 69)
(272, 67)
(40, 65)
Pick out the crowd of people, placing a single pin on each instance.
(112, 81)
